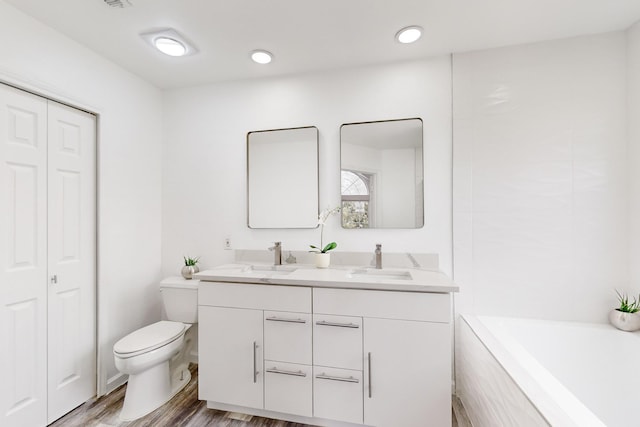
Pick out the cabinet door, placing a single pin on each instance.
(407, 373)
(230, 356)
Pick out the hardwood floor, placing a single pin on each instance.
(184, 410)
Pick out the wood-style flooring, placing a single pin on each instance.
(184, 410)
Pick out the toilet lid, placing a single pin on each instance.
(150, 337)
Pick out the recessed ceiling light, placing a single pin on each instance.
(261, 56)
(169, 46)
(409, 34)
(169, 42)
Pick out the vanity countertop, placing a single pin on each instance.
(344, 277)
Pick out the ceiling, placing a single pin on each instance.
(307, 36)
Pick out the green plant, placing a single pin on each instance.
(188, 261)
(626, 306)
(322, 218)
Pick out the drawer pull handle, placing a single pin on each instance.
(280, 371)
(369, 373)
(255, 362)
(332, 378)
(339, 325)
(281, 319)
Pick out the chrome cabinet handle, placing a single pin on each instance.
(281, 319)
(255, 362)
(324, 376)
(339, 325)
(283, 372)
(54, 279)
(369, 373)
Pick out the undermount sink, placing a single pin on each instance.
(276, 269)
(371, 274)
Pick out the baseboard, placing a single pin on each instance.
(116, 381)
(461, 413)
(280, 416)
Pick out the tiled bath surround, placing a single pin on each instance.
(541, 217)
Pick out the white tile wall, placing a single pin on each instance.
(540, 199)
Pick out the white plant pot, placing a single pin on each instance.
(625, 321)
(323, 260)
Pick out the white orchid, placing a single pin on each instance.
(325, 214)
(322, 218)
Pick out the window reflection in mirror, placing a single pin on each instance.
(382, 174)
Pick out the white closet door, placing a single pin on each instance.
(23, 258)
(72, 259)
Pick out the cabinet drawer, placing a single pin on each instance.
(287, 337)
(337, 394)
(288, 388)
(337, 341)
(257, 297)
(428, 307)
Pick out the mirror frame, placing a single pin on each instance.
(317, 189)
(422, 165)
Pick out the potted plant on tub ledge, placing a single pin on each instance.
(323, 257)
(626, 316)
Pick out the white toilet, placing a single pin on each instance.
(156, 357)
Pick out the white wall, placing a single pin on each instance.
(35, 57)
(540, 178)
(204, 173)
(398, 183)
(633, 118)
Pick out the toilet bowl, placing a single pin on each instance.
(156, 356)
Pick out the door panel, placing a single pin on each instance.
(407, 373)
(71, 253)
(23, 258)
(231, 355)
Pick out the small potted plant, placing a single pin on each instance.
(626, 316)
(190, 267)
(323, 257)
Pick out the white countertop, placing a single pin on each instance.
(416, 280)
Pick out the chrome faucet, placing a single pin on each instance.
(379, 256)
(277, 253)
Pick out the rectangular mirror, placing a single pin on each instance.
(282, 178)
(382, 172)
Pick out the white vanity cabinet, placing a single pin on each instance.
(326, 356)
(254, 343)
(406, 353)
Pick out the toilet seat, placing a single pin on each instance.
(149, 338)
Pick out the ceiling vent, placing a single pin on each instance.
(118, 3)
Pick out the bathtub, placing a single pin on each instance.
(524, 372)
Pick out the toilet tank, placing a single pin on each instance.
(180, 299)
